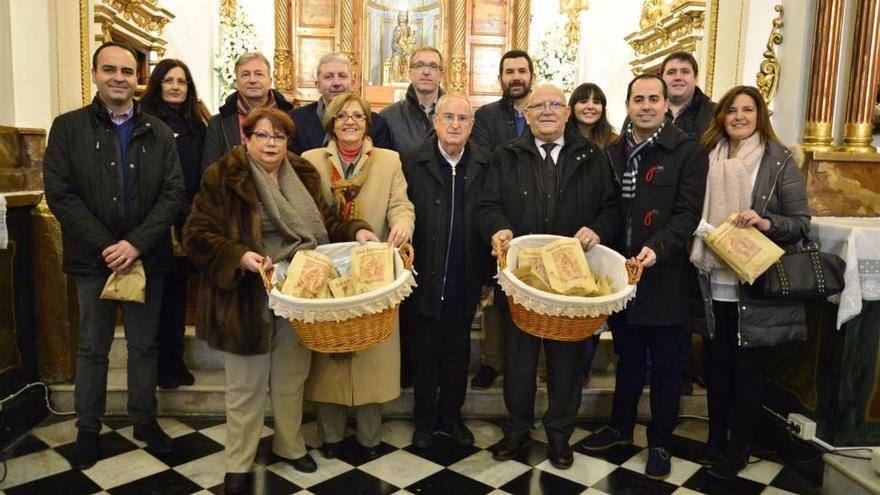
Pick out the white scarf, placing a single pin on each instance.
(728, 190)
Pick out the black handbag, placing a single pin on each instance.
(804, 274)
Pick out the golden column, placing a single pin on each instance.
(346, 35)
(283, 69)
(823, 80)
(521, 19)
(458, 64)
(863, 79)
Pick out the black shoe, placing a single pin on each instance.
(167, 381)
(605, 438)
(86, 451)
(659, 464)
(185, 377)
(484, 378)
(731, 462)
(370, 453)
(708, 455)
(423, 438)
(331, 450)
(157, 441)
(459, 434)
(304, 464)
(238, 483)
(508, 448)
(559, 454)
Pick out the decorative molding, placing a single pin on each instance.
(680, 29)
(768, 78)
(84, 51)
(825, 59)
(140, 23)
(282, 60)
(146, 14)
(346, 36)
(572, 10)
(521, 20)
(710, 50)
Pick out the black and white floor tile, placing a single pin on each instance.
(38, 464)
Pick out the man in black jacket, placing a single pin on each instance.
(692, 112)
(333, 77)
(410, 118)
(662, 174)
(253, 81)
(444, 178)
(546, 182)
(495, 124)
(112, 178)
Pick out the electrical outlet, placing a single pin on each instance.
(802, 426)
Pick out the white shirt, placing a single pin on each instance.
(452, 161)
(554, 153)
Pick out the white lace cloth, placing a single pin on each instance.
(344, 308)
(857, 241)
(602, 260)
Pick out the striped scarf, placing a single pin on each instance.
(633, 153)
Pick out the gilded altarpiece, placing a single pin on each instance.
(378, 36)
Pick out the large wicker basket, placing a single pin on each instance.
(565, 318)
(345, 324)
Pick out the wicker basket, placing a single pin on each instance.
(541, 323)
(323, 331)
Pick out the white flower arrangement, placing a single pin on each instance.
(237, 36)
(556, 60)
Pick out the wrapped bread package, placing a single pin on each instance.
(341, 286)
(308, 274)
(746, 250)
(567, 270)
(372, 267)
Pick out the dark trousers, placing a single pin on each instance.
(172, 317)
(590, 346)
(97, 322)
(565, 379)
(441, 351)
(736, 381)
(632, 343)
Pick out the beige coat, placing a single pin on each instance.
(371, 375)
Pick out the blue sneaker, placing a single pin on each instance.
(659, 464)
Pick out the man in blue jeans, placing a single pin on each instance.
(113, 180)
(661, 171)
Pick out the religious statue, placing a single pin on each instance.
(403, 42)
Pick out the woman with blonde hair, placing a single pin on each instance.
(752, 175)
(360, 182)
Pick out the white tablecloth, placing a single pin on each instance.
(857, 241)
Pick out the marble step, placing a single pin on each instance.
(850, 476)
(206, 397)
(198, 355)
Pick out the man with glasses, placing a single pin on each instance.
(444, 177)
(548, 181)
(410, 118)
(333, 77)
(253, 82)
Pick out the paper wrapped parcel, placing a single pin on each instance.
(745, 250)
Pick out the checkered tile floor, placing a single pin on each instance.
(38, 465)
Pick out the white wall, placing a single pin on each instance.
(192, 37)
(789, 106)
(607, 56)
(26, 93)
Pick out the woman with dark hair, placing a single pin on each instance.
(588, 114)
(752, 174)
(589, 118)
(171, 96)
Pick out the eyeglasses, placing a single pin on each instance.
(357, 117)
(432, 66)
(552, 105)
(448, 119)
(170, 81)
(264, 137)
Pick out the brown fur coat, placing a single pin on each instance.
(232, 314)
